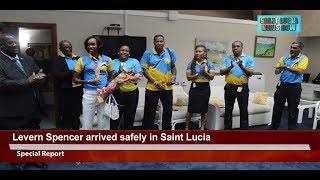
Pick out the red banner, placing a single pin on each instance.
(160, 146)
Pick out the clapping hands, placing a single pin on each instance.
(37, 78)
(239, 62)
(202, 69)
(282, 67)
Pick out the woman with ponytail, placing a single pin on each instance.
(200, 72)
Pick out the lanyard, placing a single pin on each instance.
(96, 68)
(122, 66)
(296, 62)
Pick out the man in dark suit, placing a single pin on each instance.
(69, 94)
(19, 81)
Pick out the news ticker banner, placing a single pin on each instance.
(279, 23)
(159, 146)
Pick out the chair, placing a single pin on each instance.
(305, 104)
(316, 115)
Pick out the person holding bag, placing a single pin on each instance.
(97, 72)
(127, 95)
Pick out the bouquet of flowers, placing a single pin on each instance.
(122, 78)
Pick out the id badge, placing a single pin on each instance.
(279, 83)
(239, 89)
(194, 85)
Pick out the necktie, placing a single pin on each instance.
(18, 63)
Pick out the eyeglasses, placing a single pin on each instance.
(66, 47)
(13, 43)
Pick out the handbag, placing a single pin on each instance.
(111, 108)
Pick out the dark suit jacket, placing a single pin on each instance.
(69, 98)
(61, 73)
(17, 97)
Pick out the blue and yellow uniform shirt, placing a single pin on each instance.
(132, 64)
(159, 67)
(237, 76)
(71, 62)
(84, 64)
(301, 62)
(208, 67)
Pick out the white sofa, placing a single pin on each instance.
(258, 114)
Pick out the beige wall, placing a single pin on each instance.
(180, 35)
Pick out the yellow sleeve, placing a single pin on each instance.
(281, 61)
(79, 66)
(109, 65)
(303, 64)
(145, 66)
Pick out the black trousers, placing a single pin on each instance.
(286, 92)
(70, 107)
(150, 107)
(128, 102)
(31, 122)
(230, 95)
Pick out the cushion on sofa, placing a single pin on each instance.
(182, 101)
(260, 98)
(217, 101)
(177, 91)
